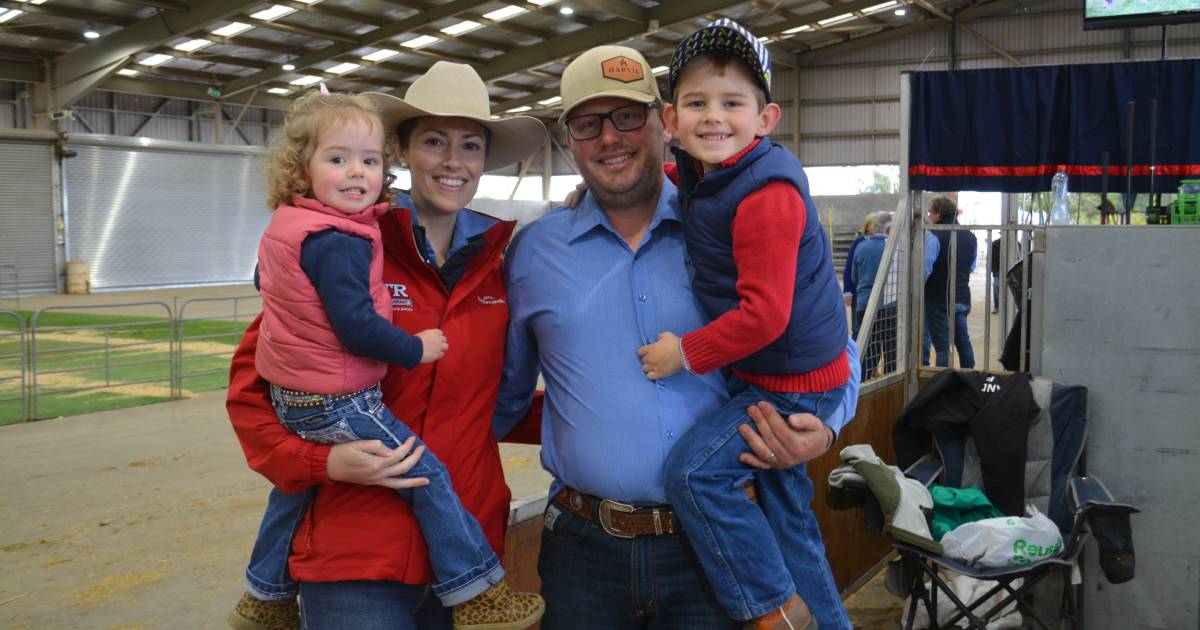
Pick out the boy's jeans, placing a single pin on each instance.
(741, 545)
(464, 564)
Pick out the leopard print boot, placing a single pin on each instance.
(499, 608)
(257, 614)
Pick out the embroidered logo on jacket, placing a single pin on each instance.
(400, 298)
(488, 299)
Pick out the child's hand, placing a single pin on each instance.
(433, 344)
(661, 358)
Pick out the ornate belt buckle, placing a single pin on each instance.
(607, 507)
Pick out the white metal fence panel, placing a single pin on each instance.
(163, 215)
(27, 217)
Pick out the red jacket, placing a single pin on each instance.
(367, 532)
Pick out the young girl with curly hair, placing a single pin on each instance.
(327, 336)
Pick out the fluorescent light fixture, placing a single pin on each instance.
(8, 15)
(343, 68)
(500, 15)
(310, 1)
(765, 40)
(551, 101)
(518, 110)
(837, 19)
(232, 29)
(279, 91)
(659, 70)
(275, 12)
(127, 72)
(880, 7)
(543, 3)
(90, 32)
(193, 45)
(420, 42)
(381, 54)
(288, 67)
(307, 79)
(566, 10)
(156, 60)
(798, 29)
(900, 11)
(466, 26)
(32, 1)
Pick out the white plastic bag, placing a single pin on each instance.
(1005, 541)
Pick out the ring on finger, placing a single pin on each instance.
(771, 457)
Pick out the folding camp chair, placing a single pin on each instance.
(1055, 483)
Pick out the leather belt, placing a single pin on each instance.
(295, 398)
(620, 519)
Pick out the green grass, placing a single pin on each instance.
(73, 354)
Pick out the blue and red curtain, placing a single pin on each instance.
(1012, 129)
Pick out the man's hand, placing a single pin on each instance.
(661, 358)
(370, 463)
(433, 345)
(783, 444)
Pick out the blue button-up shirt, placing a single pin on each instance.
(581, 302)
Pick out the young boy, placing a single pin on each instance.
(764, 276)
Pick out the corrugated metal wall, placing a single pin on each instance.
(850, 111)
(27, 257)
(151, 217)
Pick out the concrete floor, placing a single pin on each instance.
(142, 518)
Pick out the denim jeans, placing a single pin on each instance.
(938, 326)
(370, 605)
(592, 580)
(464, 564)
(756, 556)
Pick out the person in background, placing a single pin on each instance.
(849, 290)
(939, 278)
(882, 339)
(358, 556)
(994, 266)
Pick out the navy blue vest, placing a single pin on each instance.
(937, 286)
(816, 331)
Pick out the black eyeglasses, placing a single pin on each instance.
(624, 118)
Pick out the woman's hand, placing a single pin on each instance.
(576, 196)
(433, 345)
(370, 463)
(661, 358)
(783, 444)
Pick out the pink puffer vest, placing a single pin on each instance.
(297, 348)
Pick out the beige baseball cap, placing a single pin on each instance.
(608, 71)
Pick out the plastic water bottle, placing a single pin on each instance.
(1060, 210)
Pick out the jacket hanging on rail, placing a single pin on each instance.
(995, 410)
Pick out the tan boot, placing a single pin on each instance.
(256, 614)
(794, 615)
(499, 608)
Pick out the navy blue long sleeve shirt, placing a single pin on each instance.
(339, 267)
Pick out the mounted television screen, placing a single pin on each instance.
(1099, 14)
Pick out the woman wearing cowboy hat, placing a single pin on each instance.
(357, 554)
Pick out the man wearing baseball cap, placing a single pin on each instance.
(586, 287)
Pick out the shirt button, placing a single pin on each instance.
(641, 297)
(659, 384)
(670, 434)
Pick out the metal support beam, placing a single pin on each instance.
(610, 32)
(23, 72)
(187, 91)
(158, 110)
(378, 35)
(82, 69)
(970, 31)
(616, 8)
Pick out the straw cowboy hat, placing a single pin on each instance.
(455, 89)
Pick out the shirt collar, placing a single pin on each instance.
(468, 225)
(589, 215)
